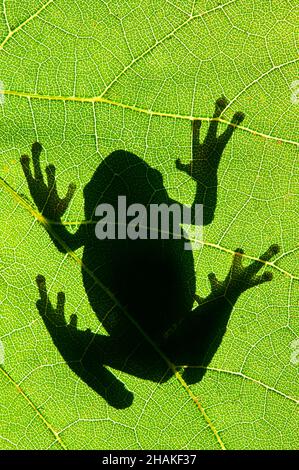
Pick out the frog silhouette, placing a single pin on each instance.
(142, 290)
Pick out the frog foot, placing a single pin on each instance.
(241, 278)
(45, 195)
(45, 308)
(54, 318)
(212, 147)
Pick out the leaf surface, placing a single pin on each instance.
(87, 78)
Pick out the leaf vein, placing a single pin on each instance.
(98, 99)
(32, 405)
(21, 26)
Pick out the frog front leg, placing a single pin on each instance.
(48, 202)
(240, 278)
(204, 164)
(82, 350)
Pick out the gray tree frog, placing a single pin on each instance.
(142, 290)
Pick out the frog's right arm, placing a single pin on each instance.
(204, 164)
(49, 204)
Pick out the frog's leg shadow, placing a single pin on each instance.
(50, 205)
(206, 157)
(82, 350)
(201, 333)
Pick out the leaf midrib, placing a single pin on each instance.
(98, 99)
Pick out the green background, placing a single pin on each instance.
(88, 77)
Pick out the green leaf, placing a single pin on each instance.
(88, 78)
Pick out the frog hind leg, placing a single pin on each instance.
(198, 337)
(82, 350)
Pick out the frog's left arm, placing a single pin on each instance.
(49, 204)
